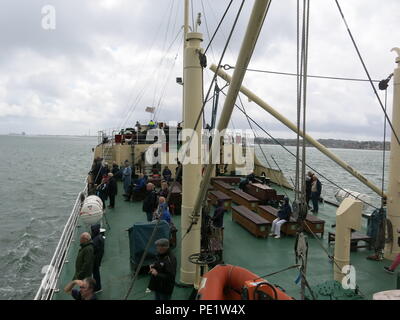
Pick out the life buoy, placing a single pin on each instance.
(92, 210)
(228, 282)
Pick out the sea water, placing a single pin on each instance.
(40, 178)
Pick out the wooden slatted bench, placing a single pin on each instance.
(270, 213)
(223, 186)
(251, 221)
(260, 191)
(217, 195)
(227, 179)
(315, 224)
(242, 198)
(355, 238)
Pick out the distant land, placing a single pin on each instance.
(330, 143)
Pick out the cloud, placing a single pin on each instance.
(108, 60)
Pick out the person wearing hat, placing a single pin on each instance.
(163, 271)
(112, 190)
(283, 216)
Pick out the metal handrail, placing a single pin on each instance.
(49, 282)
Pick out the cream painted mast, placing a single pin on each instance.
(192, 193)
(393, 203)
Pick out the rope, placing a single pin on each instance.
(259, 145)
(219, 24)
(228, 67)
(313, 169)
(366, 71)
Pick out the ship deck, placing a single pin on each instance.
(261, 256)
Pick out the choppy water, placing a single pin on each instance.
(41, 177)
(368, 162)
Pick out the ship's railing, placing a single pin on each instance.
(52, 272)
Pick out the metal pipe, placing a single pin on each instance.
(193, 102)
(393, 203)
(293, 127)
(254, 26)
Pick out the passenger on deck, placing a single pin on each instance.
(105, 170)
(85, 291)
(163, 271)
(112, 190)
(167, 174)
(164, 190)
(150, 202)
(163, 211)
(179, 172)
(283, 216)
(127, 177)
(96, 170)
(151, 124)
(102, 191)
(316, 188)
(251, 177)
(243, 183)
(116, 171)
(218, 218)
(308, 187)
(98, 252)
(84, 260)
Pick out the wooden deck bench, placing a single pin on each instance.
(270, 213)
(223, 186)
(227, 179)
(242, 198)
(251, 221)
(355, 238)
(261, 191)
(217, 195)
(315, 224)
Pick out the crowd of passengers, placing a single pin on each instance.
(103, 183)
(138, 133)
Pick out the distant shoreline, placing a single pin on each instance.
(330, 143)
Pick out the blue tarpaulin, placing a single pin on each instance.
(140, 234)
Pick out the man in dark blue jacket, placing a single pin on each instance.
(316, 189)
(150, 203)
(98, 246)
(283, 216)
(163, 271)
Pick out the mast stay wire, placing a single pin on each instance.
(180, 168)
(159, 70)
(167, 81)
(294, 155)
(366, 71)
(259, 145)
(228, 67)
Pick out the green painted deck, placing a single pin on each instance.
(261, 256)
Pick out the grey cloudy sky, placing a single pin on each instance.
(109, 59)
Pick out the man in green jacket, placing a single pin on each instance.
(84, 260)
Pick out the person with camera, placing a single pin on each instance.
(163, 271)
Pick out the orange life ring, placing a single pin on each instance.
(228, 282)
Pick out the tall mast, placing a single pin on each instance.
(191, 177)
(185, 44)
(393, 200)
(254, 26)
